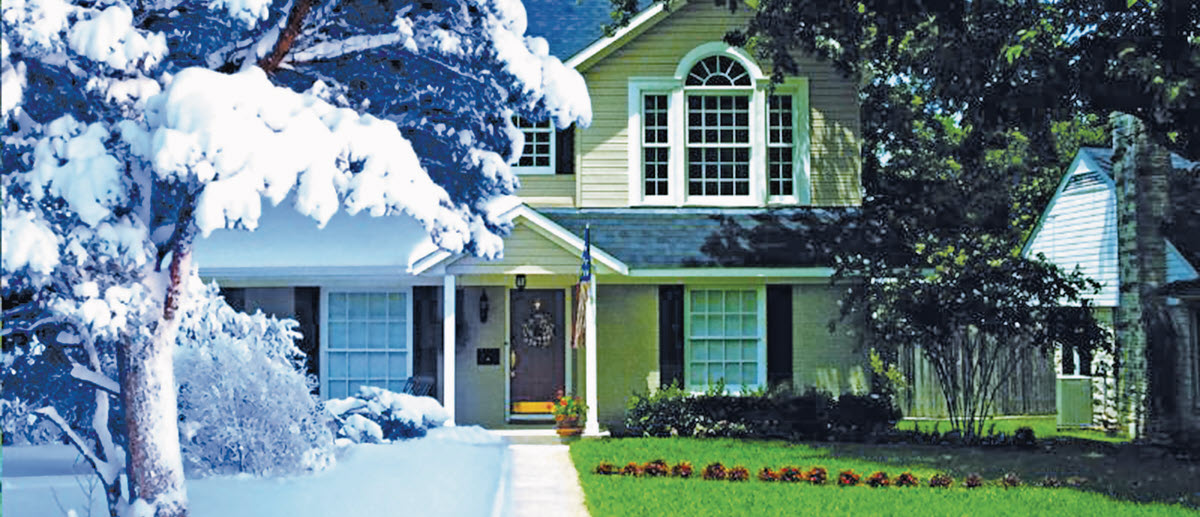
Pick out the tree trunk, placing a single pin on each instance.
(148, 392)
(1140, 172)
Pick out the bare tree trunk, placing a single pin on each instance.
(148, 392)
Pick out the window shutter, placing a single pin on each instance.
(670, 334)
(779, 334)
(564, 143)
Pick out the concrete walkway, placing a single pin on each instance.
(543, 481)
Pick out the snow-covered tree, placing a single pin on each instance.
(131, 127)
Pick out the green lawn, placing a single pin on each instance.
(625, 496)
(1043, 427)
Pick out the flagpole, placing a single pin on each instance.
(591, 426)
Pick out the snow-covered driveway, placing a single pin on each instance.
(452, 472)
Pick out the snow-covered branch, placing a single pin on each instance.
(107, 470)
(97, 379)
(327, 50)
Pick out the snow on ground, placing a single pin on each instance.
(451, 472)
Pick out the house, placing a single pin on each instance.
(1079, 229)
(685, 187)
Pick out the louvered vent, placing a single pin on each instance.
(1084, 180)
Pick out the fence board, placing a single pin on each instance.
(1028, 391)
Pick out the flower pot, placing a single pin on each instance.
(568, 431)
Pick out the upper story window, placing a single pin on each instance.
(546, 150)
(712, 135)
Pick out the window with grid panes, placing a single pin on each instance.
(538, 153)
(780, 146)
(724, 338)
(656, 151)
(718, 128)
(715, 134)
(367, 342)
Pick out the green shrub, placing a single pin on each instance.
(672, 411)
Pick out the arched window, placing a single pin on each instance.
(718, 71)
(718, 127)
(713, 135)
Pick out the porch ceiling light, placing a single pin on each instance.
(483, 306)
(520, 282)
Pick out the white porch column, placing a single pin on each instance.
(448, 326)
(591, 426)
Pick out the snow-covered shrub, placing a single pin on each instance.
(21, 427)
(245, 401)
(377, 415)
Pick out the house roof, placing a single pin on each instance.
(712, 237)
(567, 25)
(1184, 229)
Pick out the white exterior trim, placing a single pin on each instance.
(676, 92)
(449, 361)
(734, 272)
(591, 424)
(718, 48)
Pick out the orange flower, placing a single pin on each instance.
(562, 402)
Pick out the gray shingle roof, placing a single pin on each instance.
(568, 25)
(711, 237)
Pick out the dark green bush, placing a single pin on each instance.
(673, 411)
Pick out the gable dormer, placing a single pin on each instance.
(681, 119)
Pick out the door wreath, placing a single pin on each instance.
(538, 329)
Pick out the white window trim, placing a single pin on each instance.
(673, 87)
(323, 344)
(546, 170)
(760, 302)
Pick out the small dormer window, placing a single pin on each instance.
(714, 135)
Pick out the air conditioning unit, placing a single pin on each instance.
(1073, 400)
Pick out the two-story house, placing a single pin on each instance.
(701, 192)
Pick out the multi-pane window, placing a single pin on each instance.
(714, 134)
(538, 152)
(718, 71)
(656, 151)
(724, 338)
(780, 143)
(367, 342)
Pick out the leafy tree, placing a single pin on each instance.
(949, 87)
(131, 127)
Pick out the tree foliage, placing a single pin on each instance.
(130, 128)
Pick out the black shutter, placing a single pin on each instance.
(564, 143)
(306, 305)
(779, 334)
(670, 334)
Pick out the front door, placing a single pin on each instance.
(536, 360)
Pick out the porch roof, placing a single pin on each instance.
(712, 237)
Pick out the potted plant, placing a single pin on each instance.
(568, 415)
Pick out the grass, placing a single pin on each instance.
(1043, 427)
(624, 496)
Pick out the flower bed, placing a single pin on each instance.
(790, 474)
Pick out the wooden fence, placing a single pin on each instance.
(1028, 391)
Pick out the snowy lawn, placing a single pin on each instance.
(452, 472)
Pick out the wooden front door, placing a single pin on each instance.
(537, 353)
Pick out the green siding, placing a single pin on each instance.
(820, 358)
(627, 352)
(833, 104)
(479, 390)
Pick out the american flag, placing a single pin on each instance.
(582, 290)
